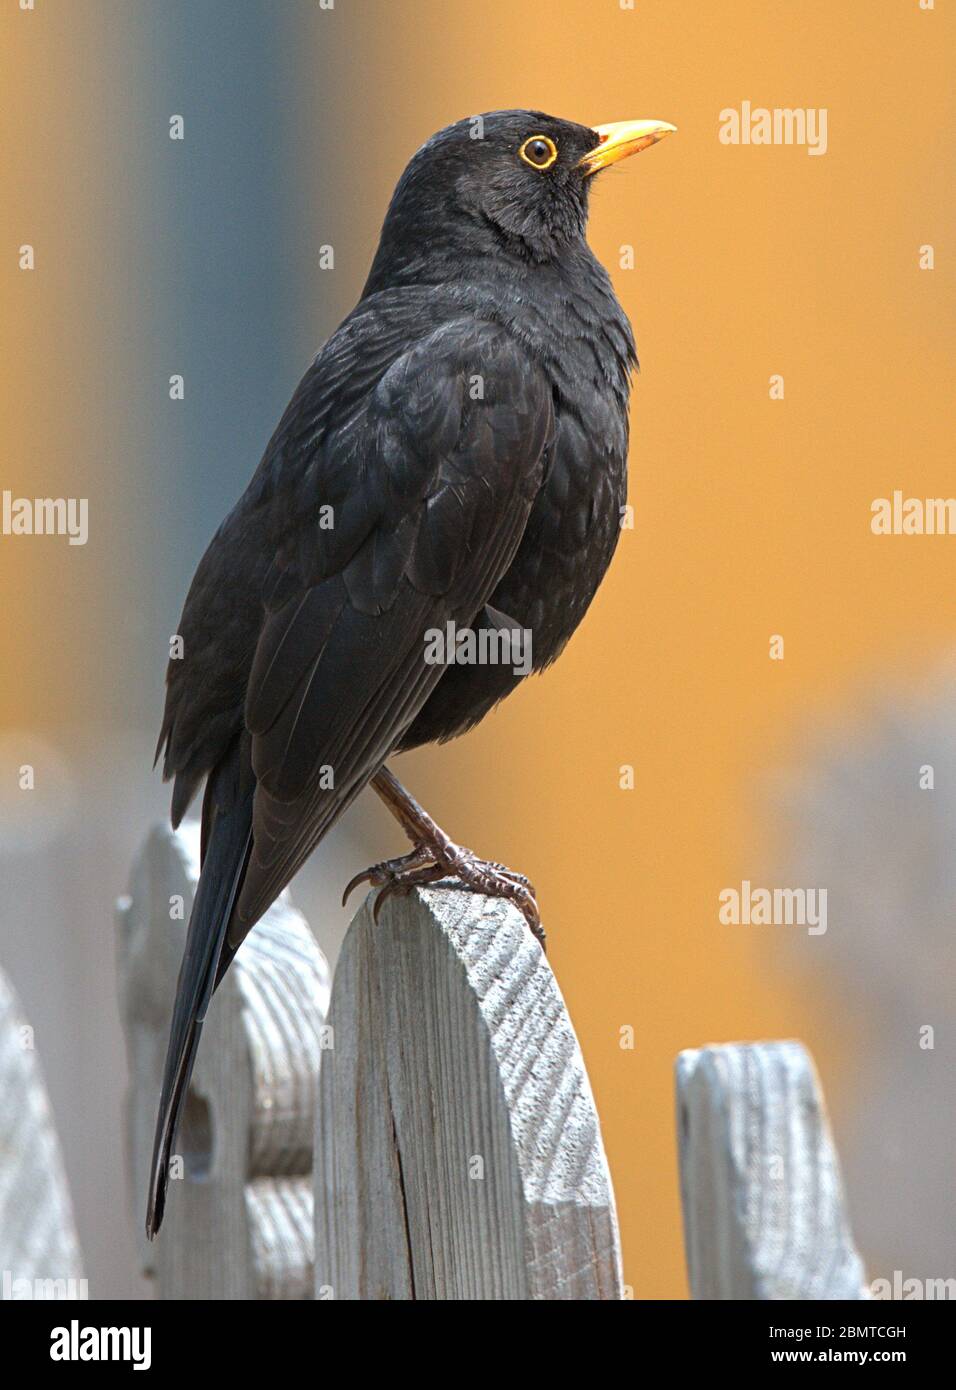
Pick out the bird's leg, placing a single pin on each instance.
(435, 855)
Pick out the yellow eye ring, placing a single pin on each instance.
(539, 151)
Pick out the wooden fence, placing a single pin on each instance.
(39, 1251)
(426, 1129)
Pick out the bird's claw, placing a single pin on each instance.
(389, 871)
(427, 864)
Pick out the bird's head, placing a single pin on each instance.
(516, 180)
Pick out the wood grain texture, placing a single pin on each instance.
(764, 1209)
(458, 1149)
(38, 1241)
(239, 1223)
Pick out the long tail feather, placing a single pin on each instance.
(227, 842)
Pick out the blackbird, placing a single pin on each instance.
(454, 460)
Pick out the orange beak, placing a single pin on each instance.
(623, 138)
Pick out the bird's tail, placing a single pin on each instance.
(227, 838)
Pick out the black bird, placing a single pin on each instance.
(455, 454)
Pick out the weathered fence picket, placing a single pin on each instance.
(764, 1210)
(39, 1251)
(458, 1149)
(239, 1224)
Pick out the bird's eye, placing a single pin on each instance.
(539, 152)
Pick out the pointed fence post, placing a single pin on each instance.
(764, 1209)
(458, 1148)
(39, 1251)
(239, 1223)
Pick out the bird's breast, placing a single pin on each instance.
(572, 531)
(581, 334)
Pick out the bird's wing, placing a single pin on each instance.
(430, 483)
(310, 462)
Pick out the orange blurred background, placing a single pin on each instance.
(752, 515)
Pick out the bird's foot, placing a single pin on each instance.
(410, 869)
(440, 858)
